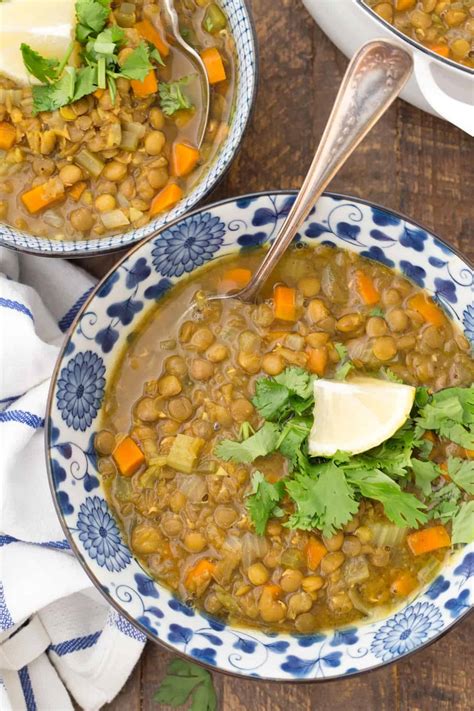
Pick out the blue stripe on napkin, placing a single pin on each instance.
(27, 689)
(76, 644)
(16, 306)
(23, 417)
(69, 317)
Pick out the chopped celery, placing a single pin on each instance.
(214, 19)
(387, 534)
(184, 453)
(159, 461)
(149, 476)
(131, 135)
(91, 163)
(427, 573)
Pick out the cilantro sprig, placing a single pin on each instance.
(184, 680)
(62, 84)
(325, 493)
(172, 97)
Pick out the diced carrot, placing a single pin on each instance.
(166, 199)
(183, 158)
(469, 453)
(150, 33)
(235, 279)
(43, 195)
(128, 457)
(429, 539)
(199, 573)
(76, 191)
(7, 135)
(98, 93)
(214, 65)
(284, 303)
(441, 49)
(366, 288)
(427, 308)
(318, 359)
(315, 552)
(402, 5)
(146, 87)
(444, 468)
(403, 585)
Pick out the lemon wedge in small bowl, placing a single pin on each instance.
(356, 415)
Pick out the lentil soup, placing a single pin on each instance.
(202, 523)
(126, 151)
(443, 26)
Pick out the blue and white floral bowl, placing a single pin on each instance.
(241, 26)
(95, 340)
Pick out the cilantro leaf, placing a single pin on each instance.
(297, 380)
(271, 398)
(425, 473)
(154, 54)
(184, 679)
(293, 435)
(450, 413)
(262, 502)
(323, 499)
(172, 98)
(388, 374)
(48, 97)
(393, 456)
(137, 65)
(40, 67)
(261, 443)
(461, 471)
(86, 82)
(444, 503)
(91, 17)
(345, 364)
(402, 508)
(463, 524)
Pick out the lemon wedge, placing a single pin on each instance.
(356, 415)
(46, 25)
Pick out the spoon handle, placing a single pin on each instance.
(374, 78)
(206, 94)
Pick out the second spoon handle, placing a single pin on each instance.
(374, 78)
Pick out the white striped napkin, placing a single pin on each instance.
(58, 637)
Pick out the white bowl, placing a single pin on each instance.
(438, 85)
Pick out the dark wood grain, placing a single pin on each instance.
(412, 163)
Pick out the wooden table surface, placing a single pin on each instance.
(410, 162)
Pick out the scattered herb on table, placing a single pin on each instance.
(184, 680)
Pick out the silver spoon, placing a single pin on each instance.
(205, 89)
(373, 79)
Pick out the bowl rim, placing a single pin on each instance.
(111, 249)
(416, 45)
(47, 432)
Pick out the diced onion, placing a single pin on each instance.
(113, 219)
(253, 547)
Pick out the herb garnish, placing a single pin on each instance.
(172, 98)
(62, 85)
(326, 492)
(183, 680)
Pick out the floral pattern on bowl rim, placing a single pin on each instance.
(100, 329)
(241, 25)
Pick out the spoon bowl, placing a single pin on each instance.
(173, 19)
